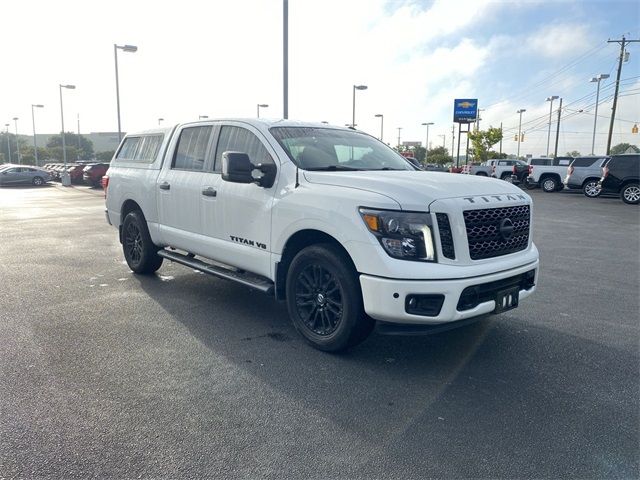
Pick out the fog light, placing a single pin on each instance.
(424, 305)
(468, 299)
(529, 280)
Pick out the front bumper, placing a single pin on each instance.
(384, 298)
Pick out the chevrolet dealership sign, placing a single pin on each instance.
(465, 110)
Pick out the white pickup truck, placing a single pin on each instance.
(329, 219)
(548, 173)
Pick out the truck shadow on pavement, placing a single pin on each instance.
(534, 401)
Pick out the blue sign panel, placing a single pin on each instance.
(465, 110)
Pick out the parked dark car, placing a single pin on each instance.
(17, 175)
(621, 174)
(93, 173)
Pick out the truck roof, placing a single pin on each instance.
(260, 123)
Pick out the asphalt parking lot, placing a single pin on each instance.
(108, 374)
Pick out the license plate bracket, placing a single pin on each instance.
(507, 299)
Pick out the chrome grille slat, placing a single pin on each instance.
(483, 233)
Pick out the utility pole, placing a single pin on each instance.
(555, 150)
(501, 134)
(399, 129)
(285, 58)
(622, 43)
(453, 138)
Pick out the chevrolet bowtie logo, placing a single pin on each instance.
(466, 104)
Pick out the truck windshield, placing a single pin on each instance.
(312, 148)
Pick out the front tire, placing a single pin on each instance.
(591, 189)
(324, 299)
(139, 251)
(549, 184)
(630, 193)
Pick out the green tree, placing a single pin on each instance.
(573, 153)
(419, 152)
(494, 154)
(439, 155)
(75, 151)
(623, 147)
(482, 141)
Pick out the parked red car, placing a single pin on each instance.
(92, 174)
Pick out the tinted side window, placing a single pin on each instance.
(626, 164)
(585, 161)
(129, 147)
(238, 139)
(540, 161)
(191, 148)
(148, 148)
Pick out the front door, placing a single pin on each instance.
(239, 216)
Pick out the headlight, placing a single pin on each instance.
(403, 235)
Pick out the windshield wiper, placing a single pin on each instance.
(332, 168)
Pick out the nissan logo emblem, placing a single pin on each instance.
(506, 228)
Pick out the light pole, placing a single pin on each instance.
(15, 119)
(478, 118)
(65, 176)
(124, 48)
(203, 117)
(550, 99)
(261, 105)
(35, 142)
(381, 117)
(426, 143)
(160, 120)
(353, 117)
(521, 111)
(596, 79)
(8, 142)
(399, 129)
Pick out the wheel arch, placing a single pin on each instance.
(128, 206)
(294, 244)
(589, 179)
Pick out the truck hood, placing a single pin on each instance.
(415, 190)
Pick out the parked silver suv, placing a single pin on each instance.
(584, 173)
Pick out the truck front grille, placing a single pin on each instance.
(446, 238)
(493, 232)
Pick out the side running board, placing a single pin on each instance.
(247, 279)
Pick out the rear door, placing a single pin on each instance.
(179, 187)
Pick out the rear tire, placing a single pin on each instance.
(549, 184)
(506, 177)
(591, 189)
(630, 193)
(139, 251)
(324, 299)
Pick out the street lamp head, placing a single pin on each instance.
(38, 106)
(552, 98)
(200, 117)
(15, 118)
(522, 110)
(263, 105)
(378, 115)
(360, 87)
(161, 119)
(70, 87)
(128, 48)
(428, 123)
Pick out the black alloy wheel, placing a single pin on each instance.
(324, 298)
(138, 248)
(319, 299)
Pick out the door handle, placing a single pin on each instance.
(165, 186)
(209, 192)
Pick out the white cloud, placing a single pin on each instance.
(558, 40)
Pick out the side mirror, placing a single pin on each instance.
(237, 168)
